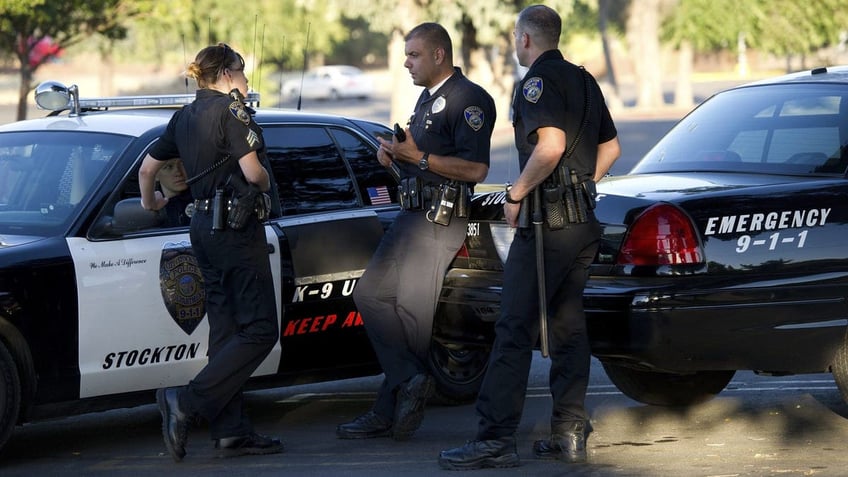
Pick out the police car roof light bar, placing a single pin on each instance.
(54, 96)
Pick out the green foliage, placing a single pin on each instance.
(787, 27)
(774, 26)
(67, 22)
(270, 31)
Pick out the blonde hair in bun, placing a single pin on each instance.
(211, 61)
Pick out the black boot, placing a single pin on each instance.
(176, 421)
(492, 453)
(365, 426)
(567, 443)
(409, 409)
(251, 444)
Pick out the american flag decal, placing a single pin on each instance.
(379, 195)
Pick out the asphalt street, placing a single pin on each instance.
(759, 426)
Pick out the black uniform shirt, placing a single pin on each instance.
(456, 121)
(552, 94)
(212, 127)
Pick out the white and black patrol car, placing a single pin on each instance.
(101, 303)
(724, 249)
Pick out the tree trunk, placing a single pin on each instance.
(683, 96)
(643, 37)
(603, 9)
(404, 93)
(23, 91)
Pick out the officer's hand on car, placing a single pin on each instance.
(159, 201)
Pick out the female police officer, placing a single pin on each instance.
(220, 144)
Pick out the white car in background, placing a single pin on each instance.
(330, 83)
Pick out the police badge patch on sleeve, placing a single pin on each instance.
(532, 89)
(474, 117)
(237, 110)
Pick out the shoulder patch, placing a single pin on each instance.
(474, 117)
(532, 89)
(237, 110)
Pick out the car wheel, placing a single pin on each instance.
(666, 389)
(334, 95)
(840, 368)
(10, 394)
(458, 371)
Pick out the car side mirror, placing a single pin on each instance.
(130, 216)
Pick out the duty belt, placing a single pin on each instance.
(205, 206)
(413, 194)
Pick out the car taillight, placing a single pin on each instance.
(462, 252)
(661, 235)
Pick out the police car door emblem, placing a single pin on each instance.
(438, 105)
(532, 89)
(474, 117)
(181, 284)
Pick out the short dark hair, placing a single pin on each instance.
(542, 23)
(434, 35)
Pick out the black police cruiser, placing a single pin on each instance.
(101, 303)
(724, 249)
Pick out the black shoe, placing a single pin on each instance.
(251, 444)
(365, 426)
(175, 422)
(409, 408)
(494, 453)
(567, 444)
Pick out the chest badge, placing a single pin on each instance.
(474, 117)
(532, 89)
(438, 105)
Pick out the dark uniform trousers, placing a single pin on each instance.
(568, 254)
(398, 293)
(241, 306)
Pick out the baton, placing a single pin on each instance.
(538, 225)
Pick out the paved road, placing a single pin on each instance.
(758, 426)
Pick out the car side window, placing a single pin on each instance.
(309, 169)
(376, 186)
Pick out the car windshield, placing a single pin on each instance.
(45, 176)
(797, 129)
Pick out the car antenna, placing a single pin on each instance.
(185, 63)
(282, 68)
(261, 58)
(303, 71)
(255, 20)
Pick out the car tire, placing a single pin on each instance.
(667, 389)
(10, 394)
(840, 368)
(458, 371)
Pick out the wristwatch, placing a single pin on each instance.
(508, 197)
(424, 163)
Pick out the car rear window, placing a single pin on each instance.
(798, 128)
